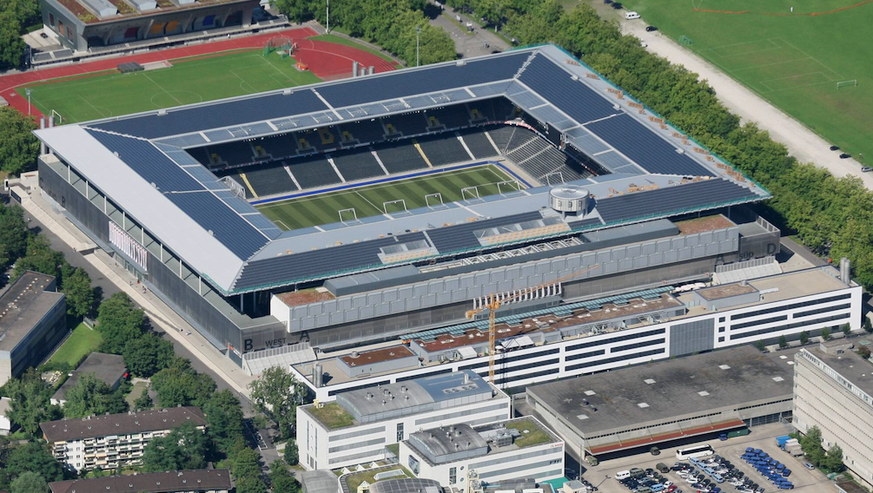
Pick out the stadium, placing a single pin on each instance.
(347, 227)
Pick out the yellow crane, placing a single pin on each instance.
(494, 303)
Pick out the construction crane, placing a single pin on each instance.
(494, 303)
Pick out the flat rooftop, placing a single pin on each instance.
(94, 11)
(377, 356)
(726, 291)
(105, 367)
(24, 303)
(664, 390)
(796, 284)
(852, 367)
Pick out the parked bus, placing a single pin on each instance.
(694, 452)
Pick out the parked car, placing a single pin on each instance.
(845, 156)
(651, 28)
(617, 6)
(833, 148)
(866, 169)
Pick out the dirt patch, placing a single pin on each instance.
(702, 224)
(305, 297)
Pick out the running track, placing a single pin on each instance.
(325, 60)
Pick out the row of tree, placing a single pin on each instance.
(391, 24)
(832, 216)
(832, 460)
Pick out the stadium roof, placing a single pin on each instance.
(140, 162)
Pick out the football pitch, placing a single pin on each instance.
(795, 59)
(192, 80)
(371, 200)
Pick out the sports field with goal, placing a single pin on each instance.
(386, 197)
(187, 81)
(794, 59)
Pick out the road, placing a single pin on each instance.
(802, 143)
(468, 44)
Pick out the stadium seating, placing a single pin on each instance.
(478, 143)
(357, 164)
(364, 132)
(400, 157)
(451, 117)
(268, 179)
(501, 136)
(232, 153)
(442, 149)
(521, 137)
(202, 155)
(408, 124)
(280, 146)
(313, 171)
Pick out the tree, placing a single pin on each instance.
(30, 401)
(282, 479)
(40, 257)
(29, 482)
(31, 457)
(80, 295)
(13, 233)
(11, 50)
(225, 418)
(180, 385)
(760, 345)
(291, 454)
(183, 448)
(146, 355)
(833, 460)
(811, 446)
(120, 322)
(864, 352)
(277, 394)
(804, 337)
(245, 463)
(250, 484)
(868, 326)
(92, 396)
(144, 401)
(847, 329)
(825, 333)
(783, 342)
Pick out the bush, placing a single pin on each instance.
(804, 337)
(825, 334)
(864, 352)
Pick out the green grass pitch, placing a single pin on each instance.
(368, 201)
(186, 82)
(792, 59)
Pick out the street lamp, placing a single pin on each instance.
(417, 44)
(604, 480)
(328, 16)
(28, 91)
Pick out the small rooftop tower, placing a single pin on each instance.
(571, 199)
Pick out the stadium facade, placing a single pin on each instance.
(612, 214)
(84, 25)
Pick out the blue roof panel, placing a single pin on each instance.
(434, 79)
(638, 142)
(219, 114)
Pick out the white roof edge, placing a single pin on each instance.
(146, 205)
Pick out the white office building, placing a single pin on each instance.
(358, 427)
(455, 455)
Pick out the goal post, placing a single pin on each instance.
(847, 83)
(402, 202)
(472, 192)
(511, 185)
(351, 210)
(60, 119)
(437, 198)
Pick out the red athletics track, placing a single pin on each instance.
(324, 60)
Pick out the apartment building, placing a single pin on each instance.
(190, 481)
(115, 440)
(832, 391)
(358, 427)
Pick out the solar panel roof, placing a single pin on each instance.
(237, 249)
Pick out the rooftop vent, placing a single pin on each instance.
(642, 405)
(589, 392)
(778, 379)
(724, 367)
(649, 381)
(703, 393)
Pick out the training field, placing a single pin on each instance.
(793, 60)
(368, 201)
(188, 81)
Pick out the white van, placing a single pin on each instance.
(622, 475)
(631, 15)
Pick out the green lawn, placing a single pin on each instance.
(531, 433)
(186, 82)
(332, 415)
(80, 344)
(355, 480)
(368, 201)
(331, 38)
(792, 60)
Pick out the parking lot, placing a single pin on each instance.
(763, 437)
